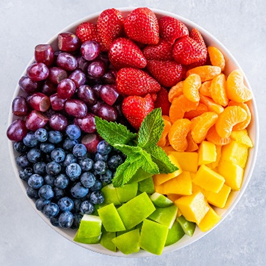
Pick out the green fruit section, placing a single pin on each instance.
(174, 234)
(188, 227)
(146, 185)
(106, 240)
(160, 200)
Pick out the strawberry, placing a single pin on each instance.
(154, 96)
(187, 51)
(135, 109)
(167, 73)
(141, 25)
(132, 81)
(109, 27)
(125, 53)
(171, 29)
(160, 51)
(162, 101)
(87, 31)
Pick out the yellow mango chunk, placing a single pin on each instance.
(168, 149)
(242, 137)
(219, 199)
(187, 160)
(196, 189)
(209, 180)
(236, 153)
(158, 188)
(209, 220)
(193, 207)
(173, 197)
(161, 178)
(178, 213)
(232, 173)
(218, 157)
(207, 152)
(181, 185)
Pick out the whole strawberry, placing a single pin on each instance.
(167, 73)
(109, 27)
(136, 108)
(141, 25)
(132, 81)
(87, 32)
(162, 101)
(171, 29)
(125, 53)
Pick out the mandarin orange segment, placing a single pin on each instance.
(231, 116)
(178, 134)
(166, 117)
(201, 108)
(218, 90)
(201, 125)
(245, 123)
(192, 145)
(213, 137)
(179, 106)
(206, 72)
(236, 90)
(205, 88)
(216, 57)
(191, 87)
(163, 139)
(212, 106)
(175, 91)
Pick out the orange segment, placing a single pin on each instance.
(201, 125)
(245, 123)
(212, 106)
(231, 116)
(178, 134)
(191, 87)
(167, 126)
(218, 90)
(216, 57)
(192, 145)
(175, 91)
(236, 90)
(201, 108)
(205, 88)
(213, 137)
(179, 106)
(205, 72)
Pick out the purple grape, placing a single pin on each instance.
(82, 64)
(57, 74)
(36, 120)
(39, 101)
(76, 108)
(17, 130)
(68, 42)
(109, 94)
(95, 108)
(28, 85)
(104, 57)
(19, 106)
(58, 122)
(57, 103)
(49, 88)
(44, 54)
(87, 95)
(96, 69)
(67, 61)
(108, 77)
(87, 123)
(38, 72)
(66, 88)
(90, 50)
(107, 112)
(78, 77)
(97, 88)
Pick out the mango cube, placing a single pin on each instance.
(188, 161)
(242, 137)
(173, 197)
(193, 207)
(168, 149)
(232, 173)
(209, 180)
(213, 165)
(219, 199)
(196, 189)
(209, 221)
(159, 188)
(207, 152)
(181, 185)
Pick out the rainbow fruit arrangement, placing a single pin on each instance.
(130, 132)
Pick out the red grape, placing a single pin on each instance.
(66, 88)
(57, 74)
(87, 95)
(78, 77)
(28, 85)
(76, 108)
(95, 108)
(57, 103)
(58, 122)
(91, 141)
(82, 64)
(96, 88)
(87, 123)
(107, 112)
(49, 88)
(17, 130)
(109, 94)
(67, 61)
(39, 101)
(96, 69)
(90, 50)
(108, 77)
(68, 42)
(19, 106)
(44, 54)
(38, 72)
(36, 120)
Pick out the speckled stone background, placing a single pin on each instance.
(25, 239)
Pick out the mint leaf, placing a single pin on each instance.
(113, 133)
(151, 129)
(161, 159)
(147, 163)
(128, 150)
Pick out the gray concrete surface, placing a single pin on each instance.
(25, 239)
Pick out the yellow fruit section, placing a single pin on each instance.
(218, 157)
(168, 149)
(242, 137)
(207, 152)
(188, 161)
(173, 197)
(196, 189)
(219, 199)
(209, 220)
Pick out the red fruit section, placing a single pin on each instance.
(162, 101)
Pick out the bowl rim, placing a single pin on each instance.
(249, 171)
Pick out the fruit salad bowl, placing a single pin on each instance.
(235, 196)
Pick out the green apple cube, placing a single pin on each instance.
(127, 192)
(106, 240)
(165, 216)
(187, 226)
(136, 210)
(90, 226)
(110, 195)
(153, 237)
(147, 185)
(111, 219)
(160, 200)
(128, 243)
(87, 240)
(174, 234)
(139, 176)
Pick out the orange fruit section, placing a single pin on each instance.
(205, 88)
(212, 106)
(191, 87)
(216, 57)
(213, 137)
(192, 145)
(175, 91)
(205, 72)
(201, 108)
(167, 126)
(218, 90)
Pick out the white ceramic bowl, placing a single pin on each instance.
(253, 129)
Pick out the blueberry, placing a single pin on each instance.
(68, 144)
(55, 137)
(77, 203)
(73, 132)
(70, 158)
(79, 150)
(87, 179)
(86, 207)
(46, 192)
(39, 168)
(115, 161)
(30, 140)
(34, 155)
(32, 193)
(54, 221)
(100, 167)
(58, 193)
(61, 181)
(22, 161)
(73, 171)
(40, 203)
(47, 147)
(53, 168)
(86, 164)
(25, 173)
(100, 157)
(58, 155)
(50, 210)
(35, 181)
(49, 180)
(76, 222)
(41, 134)
(20, 147)
(66, 219)
(97, 186)
(103, 147)
(78, 191)
(97, 197)
(107, 177)
(65, 204)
